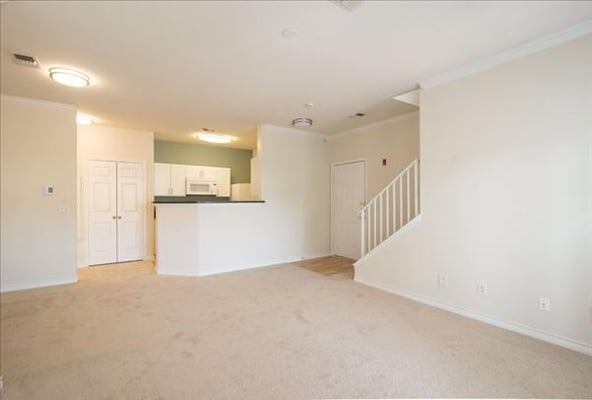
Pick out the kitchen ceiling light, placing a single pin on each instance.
(82, 119)
(290, 32)
(302, 122)
(214, 138)
(69, 77)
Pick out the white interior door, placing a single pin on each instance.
(116, 212)
(102, 217)
(348, 196)
(130, 211)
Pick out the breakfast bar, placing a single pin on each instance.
(211, 236)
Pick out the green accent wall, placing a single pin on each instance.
(238, 160)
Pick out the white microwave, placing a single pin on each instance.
(201, 187)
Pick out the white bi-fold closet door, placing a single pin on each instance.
(115, 211)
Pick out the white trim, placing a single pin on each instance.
(378, 249)
(276, 263)
(570, 344)
(37, 284)
(372, 124)
(176, 272)
(38, 101)
(509, 55)
(172, 272)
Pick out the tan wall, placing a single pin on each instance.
(396, 139)
(106, 143)
(506, 183)
(38, 233)
(295, 183)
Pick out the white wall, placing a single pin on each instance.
(396, 139)
(38, 233)
(506, 183)
(295, 183)
(107, 143)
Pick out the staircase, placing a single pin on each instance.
(390, 210)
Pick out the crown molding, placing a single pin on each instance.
(508, 55)
(362, 128)
(38, 101)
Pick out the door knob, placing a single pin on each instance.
(114, 217)
(119, 217)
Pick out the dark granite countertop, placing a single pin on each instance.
(198, 199)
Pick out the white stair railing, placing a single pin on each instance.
(391, 209)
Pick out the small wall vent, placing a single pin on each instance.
(23, 59)
(348, 5)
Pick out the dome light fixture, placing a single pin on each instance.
(208, 135)
(69, 77)
(302, 122)
(83, 119)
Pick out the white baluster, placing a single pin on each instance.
(388, 221)
(394, 207)
(362, 233)
(380, 217)
(401, 200)
(415, 186)
(367, 228)
(408, 195)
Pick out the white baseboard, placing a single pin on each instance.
(570, 344)
(236, 269)
(175, 272)
(38, 284)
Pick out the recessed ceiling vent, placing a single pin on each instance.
(26, 60)
(348, 5)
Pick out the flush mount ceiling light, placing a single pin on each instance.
(208, 136)
(290, 32)
(302, 122)
(83, 119)
(69, 77)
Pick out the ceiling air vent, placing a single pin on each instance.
(348, 5)
(23, 59)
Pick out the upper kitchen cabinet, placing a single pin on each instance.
(223, 181)
(169, 179)
(202, 173)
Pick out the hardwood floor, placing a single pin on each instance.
(334, 266)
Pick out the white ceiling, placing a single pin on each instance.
(176, 67)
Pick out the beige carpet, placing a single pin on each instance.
(273, 333)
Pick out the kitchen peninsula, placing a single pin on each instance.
(206, 236)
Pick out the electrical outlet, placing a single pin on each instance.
(64, 208)
(443, 280)
(482, 289)
(544, 304)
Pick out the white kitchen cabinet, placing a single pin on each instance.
(178, 175)
(169, 179)
(223, 181)
(162, 179)
(201, 172)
